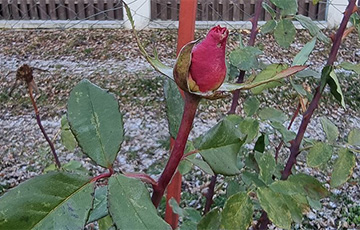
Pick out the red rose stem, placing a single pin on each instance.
(185, 34)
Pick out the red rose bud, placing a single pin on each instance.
(208, 68)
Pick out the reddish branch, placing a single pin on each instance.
(209, 195)
(278, 148)
(191, 103)
(295, 144)
(104, 175)
(254, 31)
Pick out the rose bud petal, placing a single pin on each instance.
(208, 68)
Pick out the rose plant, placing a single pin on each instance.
(67, 198)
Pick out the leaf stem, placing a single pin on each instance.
(103, 175)
(191, 104)
(38, 120)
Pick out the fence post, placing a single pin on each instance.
(141, 12)
(336, 8)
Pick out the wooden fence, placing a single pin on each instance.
(208, 10)
(61, 9)
(229, 10)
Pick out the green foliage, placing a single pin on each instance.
(269, 9)
(130, 205)
(96, 122)
(310, 25)
(269, 72)
(100, 205)
(343, 168)
(303, 55)
(237, 212)
(251, 106)
(335, 88)
(67, 137)
(319, 154)
(211, 221)
(288, 7)
(284, 32)
(220, 145)
(267, 166)
(268, 27)
(51, 201)
(331, 131)
(174, 106)
(351, 67)
(245, 58)
(354, 137)
(272, 114)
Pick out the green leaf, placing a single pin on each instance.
(351, 67)
(249, 127)
(175, 207)
(67, 137)
(106, 223)
(303, 55)
(310, 25)
(300, 184)
(276, 207)
(185, 165)
(264, 80)
(202, 165)
(354, 137)
(308, 73)
(174, 106)
(96, 122)
(99, 209)
(268, 27)
(286, 134)
(211, 221)
(267, 166)
(249, 177)
(223, 133)
(343, 168)
(297, 205)
(261, 143)
(288, 7)
(269, 72)
(223, 160)
(237, 213)
(251, 106)
(269, 9)
(130, 205)
(272, 114)
(284, 32)
(335, 88)
(245, 58)
(51, 201)
(233, 187)
(298, 88)
(319, 154)
(331, 131)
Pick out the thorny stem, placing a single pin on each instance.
(209, 195)
(104, 175)
(58, 164)
(191, 103)
(295, 144)
(278, 148)
(254, 31)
